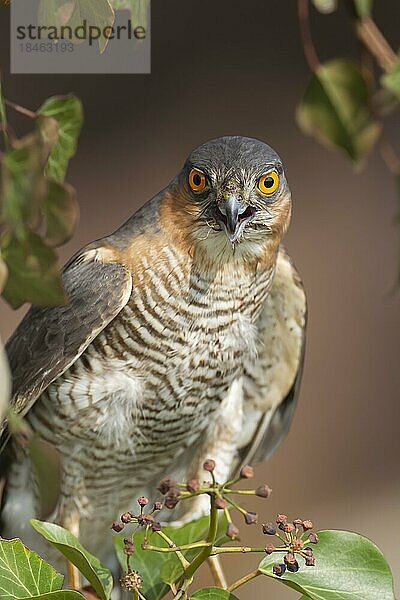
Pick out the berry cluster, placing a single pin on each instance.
(222, 494)
(295, 537)
(142, 519)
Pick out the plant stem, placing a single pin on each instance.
(185, 563)
(239, 508)
(201, 544)
(23, 111)
(305, 32)
(211, 536)
(244, 580)
(243, 492)
(374, 40)
(235, 550)
(390, 157)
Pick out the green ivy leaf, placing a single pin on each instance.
(391, 80)
(60, 210)
(151, 564)
(32, 272)
(68, 113)
(335, 109)
(171, 571)
(139, 10)
(213, 593)
(98, 576)
(23, 574)
(22, 181)
(363, 8)
(75, 13)
(325, 6)
(348, 567)
(60, 595)
(46, 462)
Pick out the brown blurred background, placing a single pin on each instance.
(235, 67)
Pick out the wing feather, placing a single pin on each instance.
(271, 386)
(50, 339)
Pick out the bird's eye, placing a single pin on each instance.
(268, 183)
(197, 180)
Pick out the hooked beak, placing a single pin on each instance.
(233, 216)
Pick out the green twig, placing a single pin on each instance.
(185, 563)
(211, 537)
(201, 544)
(238, 550)
(244, 580)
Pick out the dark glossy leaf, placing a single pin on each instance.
(213, 593)
(325, 6)
(68, 113)
(348, 567)
(24, 574)
(60, 210)
(335, 109)
(391, 80)
(363, 8)
(151, 564)
(32, 272)
(98, 576)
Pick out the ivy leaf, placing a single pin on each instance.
(46, 462)
(171, 571)
(363, 8)
(335, 109)
(22, 181)
(213, 593)
(24, 574)
(152, 564)
(325, 6)
(75, 13)
(60, 595)
(68, 113)
(98, 576)
(348, 567)
(139, 10)
(391, 80)
(32, 272)
(60, 210)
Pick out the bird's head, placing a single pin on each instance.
(232, 194)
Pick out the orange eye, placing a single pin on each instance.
(268, 183)
(197, 180)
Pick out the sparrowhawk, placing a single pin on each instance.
(182, 338)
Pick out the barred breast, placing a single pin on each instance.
(148, 385)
